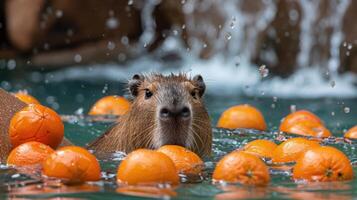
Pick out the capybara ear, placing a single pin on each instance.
(198, 81)
(134, 84)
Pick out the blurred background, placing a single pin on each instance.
(273, 49)
(283, 34)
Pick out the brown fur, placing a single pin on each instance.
(9, 105)
(138, 128)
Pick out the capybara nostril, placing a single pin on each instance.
(165, 113)
(185, 112)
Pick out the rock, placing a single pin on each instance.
(23, 26)
(279, 44)
(348, 49)
(58, 23)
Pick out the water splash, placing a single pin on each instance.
(310, 10)
(243, 80)
(337, 37)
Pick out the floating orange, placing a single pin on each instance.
(36, 123)
(352, 133)
(72, 163)
(26, 98)
(309, 128)
(323, 164)
(242, 167)
(261, 148)
(145, 166)
(297, 116)
(110, 105)
(242, 116)
(186, 161)
(292, 149)
(29, 153)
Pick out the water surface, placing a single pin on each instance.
(75, 96)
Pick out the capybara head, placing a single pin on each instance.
(170, 110)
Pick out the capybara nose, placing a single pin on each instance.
(167, 113)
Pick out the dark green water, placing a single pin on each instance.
(76, 96)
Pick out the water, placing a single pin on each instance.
(75, 95)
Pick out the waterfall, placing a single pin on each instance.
(310, 10)
(229, 32)
(337, 36)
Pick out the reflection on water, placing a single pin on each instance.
(148, 191)
(16, 184)
(51, 188)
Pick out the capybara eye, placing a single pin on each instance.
(194, 94)
(148, 93)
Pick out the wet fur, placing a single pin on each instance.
(137, 128)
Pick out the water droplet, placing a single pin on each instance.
(183, 1)
(55, 106)
(111, 45)
(124, 40)
(292, 108)
(349, 46)
(228, 36)
(50, 99)
(77, 58)
(293, 15)
(264, 71)
(183, 26)
(275, 99)
(11, 64)
(175, 32)
(204, 45)
(121, 57)
(346, 110)
(130, 2)
(69, 32)
(273, 105)
(112, 23)
(105, 89)
(59, 13)
(344, 44)
(46, 46)
(233, 23)
(332, 113)
(6, 85)
(332, 83)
